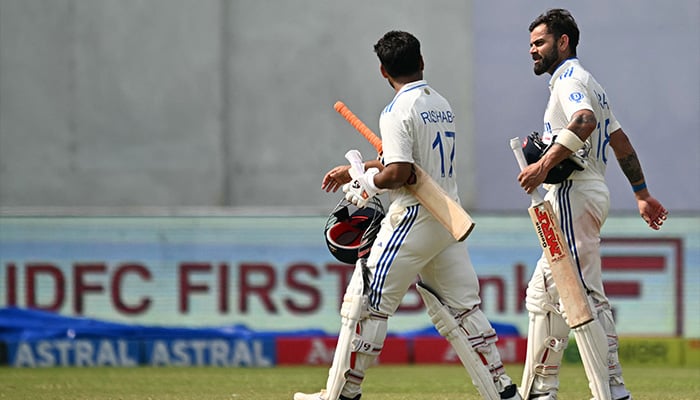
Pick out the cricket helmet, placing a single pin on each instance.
(534, 148)
(350, 231)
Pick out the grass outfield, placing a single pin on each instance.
(415, 382)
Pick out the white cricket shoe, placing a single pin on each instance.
(510, 393)
(544, 396)
(620, 392)
(627, 396)
(311, 396)
(320, 396)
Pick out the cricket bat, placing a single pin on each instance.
(430, 195)
(565, 274)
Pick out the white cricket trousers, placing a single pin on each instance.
(412, 242)
(582, 207)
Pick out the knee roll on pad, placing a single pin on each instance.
(355, 300)
(539, 302)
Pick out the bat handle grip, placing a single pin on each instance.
(517, 148)
(357, 169)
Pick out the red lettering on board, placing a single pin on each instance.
(293, 278)
(33, 270)
(82, 287)
(187, 287)
(116, 289)
(246, 275)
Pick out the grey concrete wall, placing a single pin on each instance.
(291, 61)
(229, 103)
(200, 103)
(110, 103)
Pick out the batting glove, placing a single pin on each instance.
(360, 190)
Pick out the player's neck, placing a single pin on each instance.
(400, 82)
(565, 57)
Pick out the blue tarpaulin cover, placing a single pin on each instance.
(19, 324)
(35, 338)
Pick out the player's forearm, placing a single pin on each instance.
(629, 162)
(393, 176)
(554, 156)
(631, 167)
(374, 164)
(627, 157)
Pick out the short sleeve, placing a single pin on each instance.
(573, 96)
(397, 141)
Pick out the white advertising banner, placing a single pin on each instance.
(276, 274)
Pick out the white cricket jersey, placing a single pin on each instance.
(418, 126)
(572, 88)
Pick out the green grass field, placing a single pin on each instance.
(414, 382)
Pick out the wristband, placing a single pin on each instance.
(641, 186)
(569, 140)
(370, 179)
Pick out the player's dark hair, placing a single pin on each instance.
(399, 53)
(559, 22)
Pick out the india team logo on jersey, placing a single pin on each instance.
(576, 97)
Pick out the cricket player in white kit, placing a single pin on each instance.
(417, 127)
(578, 119)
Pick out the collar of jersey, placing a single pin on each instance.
(406, 88)
(561, 68)
(412, 85)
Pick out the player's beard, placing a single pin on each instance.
(546, 62)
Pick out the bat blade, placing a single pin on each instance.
(430, 195)
(443, 207)
(564, 273)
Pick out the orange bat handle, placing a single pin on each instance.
(364, 130)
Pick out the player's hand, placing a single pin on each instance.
(532, 176)
(653, 213)
(336, 178)
(360, 190)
